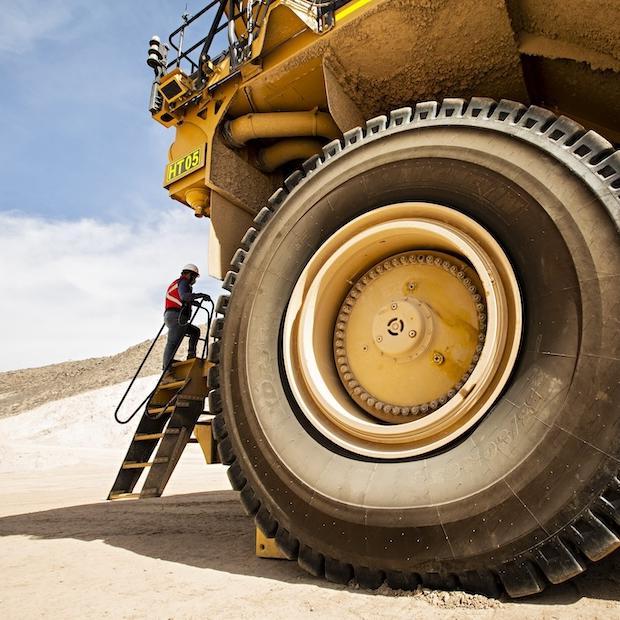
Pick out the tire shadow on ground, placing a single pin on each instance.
(210, 530)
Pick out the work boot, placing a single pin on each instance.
(191, 355)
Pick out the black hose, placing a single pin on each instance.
(161, 329)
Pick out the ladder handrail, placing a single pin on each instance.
(210, 313)
(205, 352)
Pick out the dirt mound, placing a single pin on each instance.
(22, 390)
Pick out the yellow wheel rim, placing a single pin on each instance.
(412, 267)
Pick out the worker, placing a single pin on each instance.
(178, 312)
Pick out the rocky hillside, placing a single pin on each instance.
(22, 390)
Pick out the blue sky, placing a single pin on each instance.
(88, 237)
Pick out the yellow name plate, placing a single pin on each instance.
(184, 165)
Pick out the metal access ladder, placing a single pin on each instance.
(170, 417)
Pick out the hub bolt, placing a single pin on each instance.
(412, 333)
(394, 306)
(438, 358)
(379, 338)
(411, 286)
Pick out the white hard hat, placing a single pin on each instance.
(191, 267)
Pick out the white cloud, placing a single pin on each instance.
(82, 288)
(27, 22)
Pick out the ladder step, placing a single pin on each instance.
(172, 386)
(132, 465)
(148, 436)
(181, 363)
(136, 465)
(124, 495)
(157, 410)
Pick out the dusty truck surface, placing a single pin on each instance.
(414, 205)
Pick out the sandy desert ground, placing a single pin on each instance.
(66, 553)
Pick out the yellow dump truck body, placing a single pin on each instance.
(415, 206)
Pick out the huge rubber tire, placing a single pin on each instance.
(530, 495)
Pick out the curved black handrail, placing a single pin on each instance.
(205, 352)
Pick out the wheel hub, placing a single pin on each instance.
(403, 359)
(401, 328)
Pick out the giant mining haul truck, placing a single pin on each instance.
(414, 207)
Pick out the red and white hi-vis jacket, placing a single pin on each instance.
(173, 299)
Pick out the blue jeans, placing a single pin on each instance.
(176, 333)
